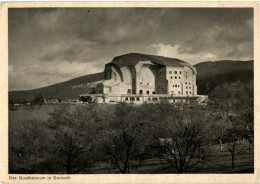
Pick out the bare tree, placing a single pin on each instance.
(32, 142)
(123, 137)
(74, 139)
(234, 106)
(231, 137)
(186, 140)
(245, 112)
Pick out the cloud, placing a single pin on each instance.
(70, 50)
(173, 51)
(51, 45)
(40, 75)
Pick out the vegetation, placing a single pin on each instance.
(39, 99)
(213, 74)
(163, 138)
(150, 138)
(69, 89)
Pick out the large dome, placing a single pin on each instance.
(133, 58)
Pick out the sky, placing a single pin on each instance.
(52, 45)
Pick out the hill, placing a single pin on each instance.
(69, 89)
(210, 74)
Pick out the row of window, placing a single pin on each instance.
(138, 99)
(175, 77)
(179, 86)
(132, 98)
(151, 99)
(187, 92)
(140, 92)
(175, 72)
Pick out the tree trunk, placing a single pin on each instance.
(233, 160)
(220, 144)
(35, 161)
(68, 165)
(27, 158)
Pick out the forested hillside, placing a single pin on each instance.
(212, 74)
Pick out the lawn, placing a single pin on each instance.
(220, 162)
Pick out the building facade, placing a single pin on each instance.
(142, 78)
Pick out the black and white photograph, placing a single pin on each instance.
(130, 90)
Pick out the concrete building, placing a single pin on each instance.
(139, 78)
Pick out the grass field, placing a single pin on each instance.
(219, 162)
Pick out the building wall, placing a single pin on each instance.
(148, 78)
(129, 77)
(181, 81)
(174, 75)
(162, 81)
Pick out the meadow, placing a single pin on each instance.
(218, 162)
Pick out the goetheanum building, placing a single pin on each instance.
(139, 78)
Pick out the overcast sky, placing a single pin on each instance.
(47, 46)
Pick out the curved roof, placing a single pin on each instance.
(133, 58)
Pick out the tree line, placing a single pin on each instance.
(182, 136)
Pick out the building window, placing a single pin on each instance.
(126, 98)
(170, 72)
(176, 85)
(172, 85)
(186, 92)
(180, 72)
(190, 87)
(154, 99)
(179, 92)
(175, 77)
(129, 91)
(137, 99)
(186, 87)
(153, 92)
(190, 92)
(175, 72)
(189, 82)
(147, 92)
(141, 92)
(133, 91)
(171, 77)
(179, 77)
(147, 84)
(149, 99)
(132, 98)
(185, 82)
